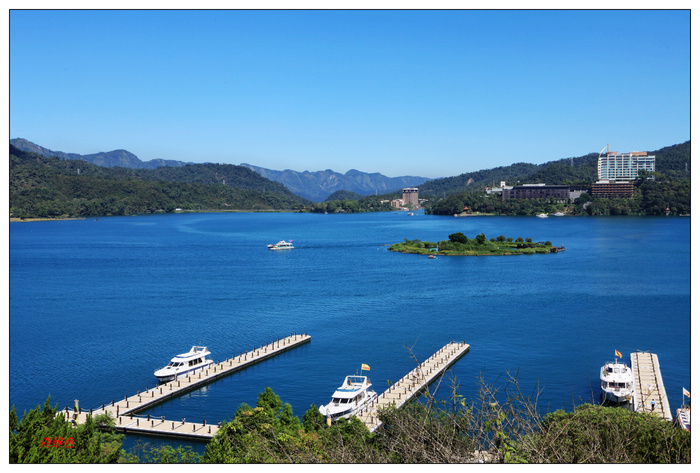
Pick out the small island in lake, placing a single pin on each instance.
(459, 245)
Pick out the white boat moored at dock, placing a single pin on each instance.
(349, 398)
(616, 382)
(184, 364)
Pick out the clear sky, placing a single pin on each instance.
(425, 93)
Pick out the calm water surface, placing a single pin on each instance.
(96, 306)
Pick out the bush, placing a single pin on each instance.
(458, 238)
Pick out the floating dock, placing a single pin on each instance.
(413, 383)
(649, 385)
(123, 410)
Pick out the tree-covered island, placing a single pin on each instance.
(459, 245)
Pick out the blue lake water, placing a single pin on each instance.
(96, 306)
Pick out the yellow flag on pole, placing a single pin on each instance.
(618, 354)
(365, 367)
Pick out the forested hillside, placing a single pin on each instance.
(48, 187)
(672, 161)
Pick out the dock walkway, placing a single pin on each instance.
(123, 410)
(413, 383)
(649, 385)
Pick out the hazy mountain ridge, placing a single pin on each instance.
(318, 185)
(109, 159)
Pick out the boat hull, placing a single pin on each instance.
(336, 413)
(165, 375)
(617, 397)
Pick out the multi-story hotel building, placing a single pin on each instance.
(410, 197)
(614, 166)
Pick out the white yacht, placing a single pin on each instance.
(542, 215)
(281, 245)
(184, 364)
(616, 382)
(349, 398)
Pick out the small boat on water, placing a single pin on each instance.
(281, 245)
(432, 256)
(349, 398)
(184, 364)
(616, 382)
(542, 215)
(558, 214)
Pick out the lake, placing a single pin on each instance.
(97, 305)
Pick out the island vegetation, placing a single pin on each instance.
(459, 244)
(499, 425)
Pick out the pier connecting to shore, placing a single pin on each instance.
(123, 410)
(650, 393)
(413, 383)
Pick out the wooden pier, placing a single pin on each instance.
(413, 383)
(123, 410)
(649, 385)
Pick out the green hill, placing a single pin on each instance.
(49, 187)
(673, 161)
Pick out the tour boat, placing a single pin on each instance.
(184, 364)
(616, 382)
(281, 245)
(349, 398)
(683, 417)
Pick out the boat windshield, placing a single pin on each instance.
(355, 380)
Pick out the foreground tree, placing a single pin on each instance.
(42, 436)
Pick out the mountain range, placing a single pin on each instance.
(315, 186)
(109, 159)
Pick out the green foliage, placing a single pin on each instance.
(594, 434)
(42, 436)
(673, 161)
(344, 195)
(352, 204)
(144, 453)
(270, 433)
(458, 238)
(459, 244)
(42, 187)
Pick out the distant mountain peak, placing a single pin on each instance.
(109, 159)
(318, 185)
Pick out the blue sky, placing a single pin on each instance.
(425, 93)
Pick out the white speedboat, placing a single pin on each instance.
(184, 364)
(349, 398)
(281, 245)
(616, 382)
(542, 215)
(558, 214)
